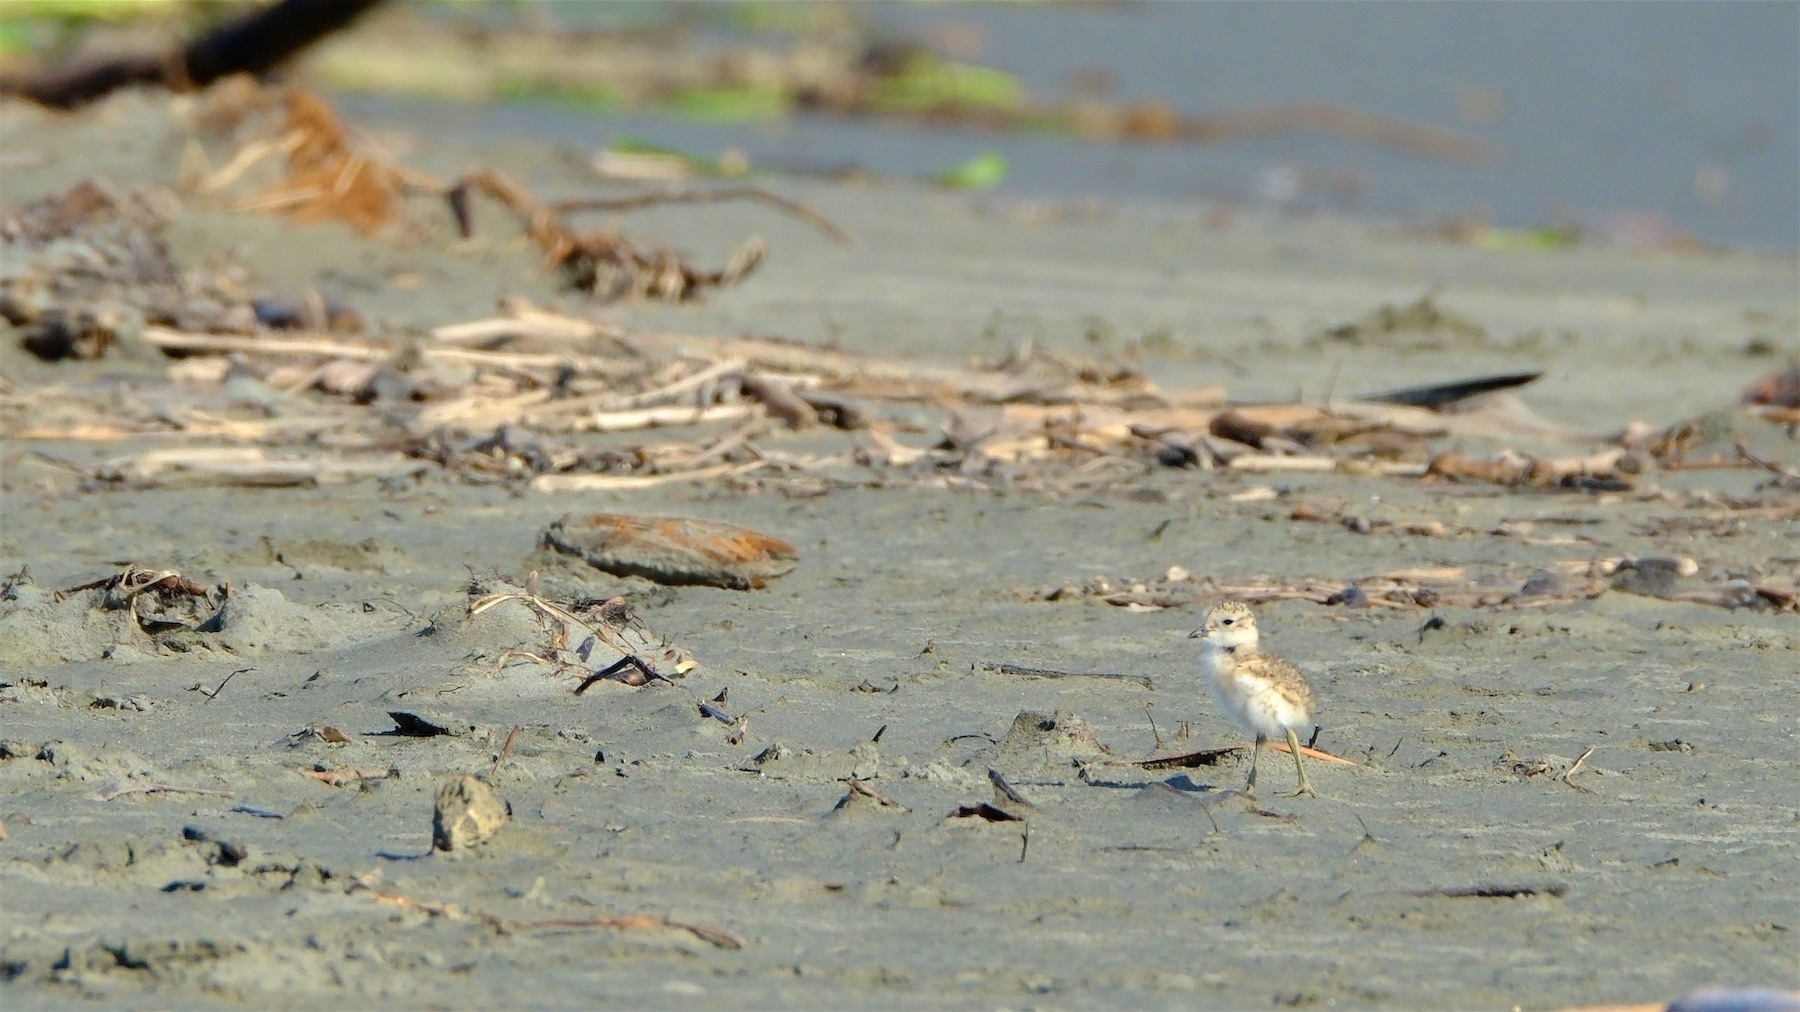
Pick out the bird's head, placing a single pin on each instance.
(1229, 627)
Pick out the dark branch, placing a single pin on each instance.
(250, 45)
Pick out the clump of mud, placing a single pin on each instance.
(1048, 745)
(1420, 326)
(139, 612)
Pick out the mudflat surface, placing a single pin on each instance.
(1448, 865)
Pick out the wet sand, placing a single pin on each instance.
(1662, 865)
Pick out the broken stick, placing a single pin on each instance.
(1024, 672)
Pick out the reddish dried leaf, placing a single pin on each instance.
(674, 550)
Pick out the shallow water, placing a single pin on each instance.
(1636, 121)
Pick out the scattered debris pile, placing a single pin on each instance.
(540, 398)
(1666, 577)
(84, 271)
(330, 175)
(602, 639)
(134, 610)
(159, 601)
(254, 393)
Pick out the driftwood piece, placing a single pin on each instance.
(523, 322)
(249, 466)
(252, 44)
(673, 550)
(860, 794)
(171, 339)
(713, 196)
(1609, 470)
(1262, 463)
(1025, 672)
(554, 483)
(1495, 890)
(781, 401)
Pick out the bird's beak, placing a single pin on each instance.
(1196, 634)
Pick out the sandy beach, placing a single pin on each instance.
(164, 845)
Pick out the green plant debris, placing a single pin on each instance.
(983, 172)
(94, 10)
(730, 105)
(927, 82)
(14, 38)
(680, 164)
(579, 95)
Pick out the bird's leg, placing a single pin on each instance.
(1255, 753)
(1306, 786)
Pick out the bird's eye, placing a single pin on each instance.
(1226, 621)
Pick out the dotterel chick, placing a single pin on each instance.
(1258, 691)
